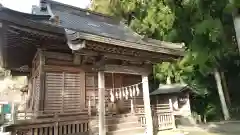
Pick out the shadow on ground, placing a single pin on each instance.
(218, 128)
(225, 128)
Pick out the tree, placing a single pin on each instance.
(101, 6)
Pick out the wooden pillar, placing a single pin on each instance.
(101, 103)
(172, 113)
(147, 105)
(42, 80)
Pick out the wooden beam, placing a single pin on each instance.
(70, 69)
(128, 69)
(59, 56)
(100, 61)
(77, 59)
(120, 57)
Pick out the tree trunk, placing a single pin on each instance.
(225, 90)
(236, 22)
(221, 95)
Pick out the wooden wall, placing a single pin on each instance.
(68, 88)
(64, 84)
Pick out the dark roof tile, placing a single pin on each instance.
(169, 89)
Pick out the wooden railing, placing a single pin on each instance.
(31, 115)
(139, 111)
(142, 120)
(56, 125)
(74, 127)
(162, 114)
(24, 115)
(39, 123)
(163, 121)
(54, 128)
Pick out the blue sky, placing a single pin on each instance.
(26, 5)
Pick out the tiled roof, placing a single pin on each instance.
(92, 23)
(84, 21)
(169, 89)
(87, 25)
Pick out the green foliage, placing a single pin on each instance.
(237, 3)
(101, 6)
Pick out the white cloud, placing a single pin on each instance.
(26, 5)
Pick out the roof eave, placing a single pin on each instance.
(122, 43)
(184, 88)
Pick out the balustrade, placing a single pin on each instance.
(162, 116)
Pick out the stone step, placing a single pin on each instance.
(115, 116)
(128, 131)
(114, 122)
(117, 120)
(185, 121)
(121, 120)
(120, 126)
(121, 115)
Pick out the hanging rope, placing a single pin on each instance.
(126, 92)
(112, 97)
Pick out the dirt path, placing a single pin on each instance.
(220, 128)
(217, 128)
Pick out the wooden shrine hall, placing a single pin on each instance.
(87, 72)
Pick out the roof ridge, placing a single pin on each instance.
(23, 14)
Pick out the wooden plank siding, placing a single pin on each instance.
(64, 84)
(63, 92)
(68, 87)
